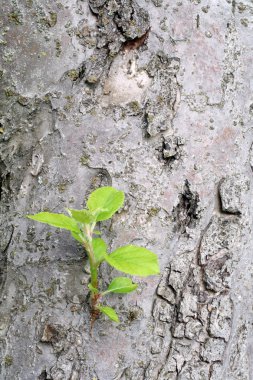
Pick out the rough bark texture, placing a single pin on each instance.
(155, 98)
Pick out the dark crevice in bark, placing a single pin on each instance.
(186, 213)
(44, 376)
(233, 6)
(3, 257)
(136, 42)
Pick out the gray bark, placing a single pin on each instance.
(154, 98)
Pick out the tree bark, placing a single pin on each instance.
(155, 98)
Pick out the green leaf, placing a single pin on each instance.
(121, 285)
(99, 248)
(110, 312)
(94, 290)
(134, 260)
(56, 220)
(105, 201)
(96, 232)
(82, 216)
(77, 236)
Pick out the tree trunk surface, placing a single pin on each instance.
(154, 98)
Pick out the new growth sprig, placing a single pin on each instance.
(130, 259)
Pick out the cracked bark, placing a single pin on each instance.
(155, 99)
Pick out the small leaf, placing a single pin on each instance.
(110, 312)
(105, 201)
(77, 236)
(99, 248)
(94, 290)
(96, 232)
(134, 260)
(121, 285)
(56, 220)
(82, 216)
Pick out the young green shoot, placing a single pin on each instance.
(102, 204)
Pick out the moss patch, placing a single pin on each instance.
(15, 17)
(73, 74)
(8, 360)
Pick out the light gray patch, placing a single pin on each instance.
(232, 193)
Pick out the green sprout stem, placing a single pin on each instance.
(88, 230)
(93, 265)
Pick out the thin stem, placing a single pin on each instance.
(93, 267)
(88, 245)
(88, 229)
(94, 276)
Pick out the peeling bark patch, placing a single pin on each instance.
(136, 42)
(121, 24)
(6, 234)
(50, 334)
(232, 190)
(171, 150)
(186, 213)
(4, 183)
(240, 366)
(193, 320)
(217, 253)
(164, 94)
(70, 363)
